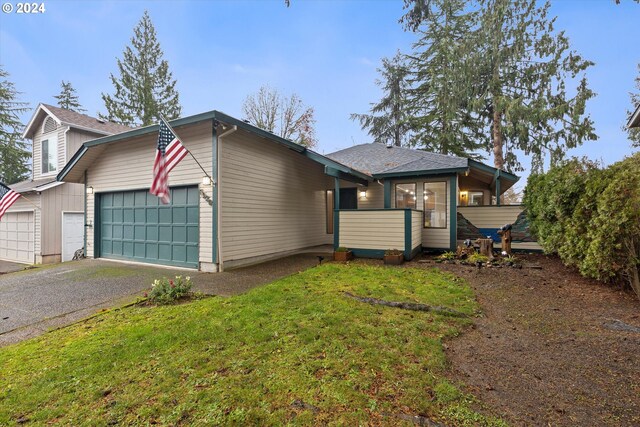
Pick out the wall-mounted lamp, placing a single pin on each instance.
(206, 180)
(89, 190)
(363, 194)
(466, 173)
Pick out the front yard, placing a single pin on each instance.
(295, 351)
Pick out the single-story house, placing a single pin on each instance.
(269, 196)
(47, 224)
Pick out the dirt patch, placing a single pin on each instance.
(552, 348)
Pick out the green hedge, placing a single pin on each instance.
(590, 217)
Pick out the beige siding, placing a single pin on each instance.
(128, 165)
(37, 151)
(90, 224)
(66, 197)
(379, 229)
(75, 139)
(416, 229)
(272, 198)
(431, 237)
(491, 216)
(374, 198)
(32, 205)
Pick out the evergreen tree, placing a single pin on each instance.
(634, 133)
(522, 68)
(14, 153)
(388, 120)
(145, 89)
(442, 82)
(68, 99)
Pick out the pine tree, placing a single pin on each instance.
(442, 82)
(522, 69)
(68, 99)
(14, 153)
(634, 133)
(145, 89)
(388, 120)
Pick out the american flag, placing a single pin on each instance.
(7, 198)
(168, 154)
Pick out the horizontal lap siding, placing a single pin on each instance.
(416, 229)
(372, 230)
(272, 198)
(75, 139)
(128, 165)
(24, 205)
(491, 216)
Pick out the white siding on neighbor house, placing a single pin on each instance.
(378, 229)
(272, 198)
(128, 165)
(66, 197)
(416, 229)
(437, 238)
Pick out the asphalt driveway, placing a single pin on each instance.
(36, 300)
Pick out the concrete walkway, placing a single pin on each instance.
(36, 300)
(11, 267)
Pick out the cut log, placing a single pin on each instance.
(486, 247)
(505, 235)
(408, 305)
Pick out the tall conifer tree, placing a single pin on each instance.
(14, 154)
(68, 98)
(145, 89)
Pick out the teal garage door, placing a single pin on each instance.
(136, 226)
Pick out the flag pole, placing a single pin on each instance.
(188, 151)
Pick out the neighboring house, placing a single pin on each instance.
(47, 224)
(269, 196)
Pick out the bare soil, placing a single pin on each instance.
(551, 347)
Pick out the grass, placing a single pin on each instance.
(295, 352)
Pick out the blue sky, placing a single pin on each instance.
(326, 51)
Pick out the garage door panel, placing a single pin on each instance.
(142, 230)
(17, 237)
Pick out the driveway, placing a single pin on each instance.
(36, 300)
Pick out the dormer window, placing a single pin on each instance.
(49, 154)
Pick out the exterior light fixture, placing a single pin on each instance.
(89, 190)
(363, 194)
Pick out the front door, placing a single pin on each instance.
(348, 198)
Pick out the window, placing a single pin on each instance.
(476, 198)
(329, 210)
(406, 196)
(435, 205)
(49, 155)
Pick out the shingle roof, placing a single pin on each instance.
(84, 121)
(377, 158)
(29, 185)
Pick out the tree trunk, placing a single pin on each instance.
(498, 158)
(486, 247)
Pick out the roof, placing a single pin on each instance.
(91, 150)
(634, 120)
(37, 185)
(75, 120)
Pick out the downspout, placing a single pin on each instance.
(219, 196)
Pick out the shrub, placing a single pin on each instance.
(447, 256)
(477, 257)
(590, 217)
(342, 249)
(393, 252)
(166, 291)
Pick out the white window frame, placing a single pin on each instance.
(53, 137)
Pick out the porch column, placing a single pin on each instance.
(498, 189)
(336, 213)
(387, 194)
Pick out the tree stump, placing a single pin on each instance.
(486, 247)
(505, 235)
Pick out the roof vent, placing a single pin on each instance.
(49, 125)
(100, 121)
(246, 121)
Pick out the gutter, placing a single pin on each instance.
(219, 195)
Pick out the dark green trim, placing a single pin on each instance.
(407, 234)
(336, 214)
(368, 253)
(486, 168)
(498, 189)
(387, 194)
(330, 171)
(85, 214)
(71, 163)
(415, 251)
(381, 209)
(421, 173)
(214, 172)
(453, 212)
(96, 225)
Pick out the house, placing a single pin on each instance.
(270, 197)
(47, 224)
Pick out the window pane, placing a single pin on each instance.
(476, 198)
(435, 204)
(49, 156)
(406, 196)
(329, 209)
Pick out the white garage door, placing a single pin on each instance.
(72, 234)
(17, 237)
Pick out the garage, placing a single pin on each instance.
(17, 237)
(135, 226)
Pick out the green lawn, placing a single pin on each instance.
(296, 351)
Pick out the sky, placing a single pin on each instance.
(326, 51)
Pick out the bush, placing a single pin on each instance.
(477, 257)
(342, 249)
(166, 291)
(590, 217)
(393, 252)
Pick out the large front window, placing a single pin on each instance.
(435, 204)
(49, 155)
(406, 196)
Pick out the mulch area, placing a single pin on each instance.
(551, 347)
